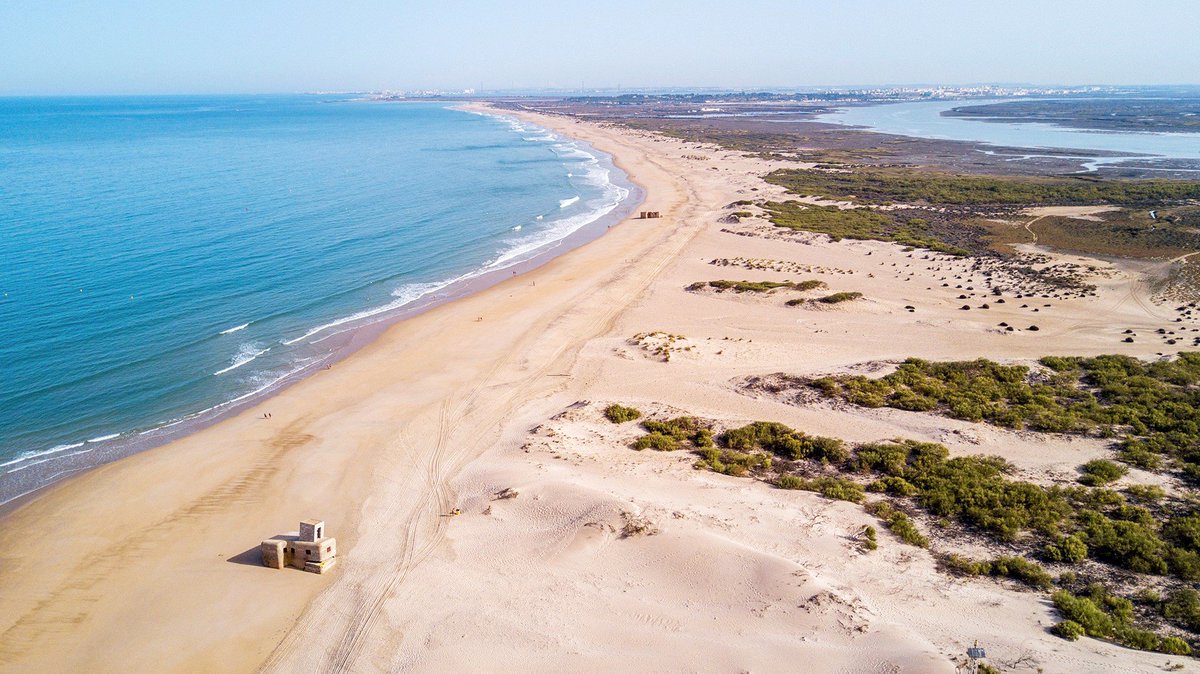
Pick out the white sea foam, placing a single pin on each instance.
(405, 294)
(25, 456)
(102, 438)
(518, 227)
(246, 353)
(270, 382)
(585, 167)
(235, 328)
(28, 465)
(560, 229)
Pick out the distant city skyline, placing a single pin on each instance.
(222, 46)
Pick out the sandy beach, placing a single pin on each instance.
(151, 562)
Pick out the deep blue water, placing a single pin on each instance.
(162, 256)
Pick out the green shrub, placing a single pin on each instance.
(898, 523)
(674, 434)
(887, 184)
(856, 223)
(1017, 568)
(788, 481)
(743, 286)
(1143, 640)
(869, 538)
(784, 441)
(1101, 471)
(1129, 545)
(1182, 607)
(730, 462)
(1174, 646)
(1156, 404)
(1084, 612)
(896, 486)
(1067, 550)
(898, 457)
(1069, 630)
(973, 489)
(836, 488)
(838, 298)
(619, 414)
(1183, 531)
(756, 286)
(959, 565)
(1145, 492)
(657, 441)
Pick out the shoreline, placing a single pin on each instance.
(331, 439)
(14, 490)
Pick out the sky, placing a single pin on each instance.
(261, 46)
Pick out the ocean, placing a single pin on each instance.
(167, 260)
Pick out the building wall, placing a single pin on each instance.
(298, 553)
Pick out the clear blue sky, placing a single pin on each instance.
(150, 46)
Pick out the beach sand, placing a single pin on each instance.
(150, 563)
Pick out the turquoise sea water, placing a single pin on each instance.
(924, 119)
(161, 258)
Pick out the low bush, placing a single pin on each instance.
(1007, 566)
(1098, 472)
(869, 539)
(1084, 612)
(1155, 405)
(1066, 550)
(730, 462)
(898, 523)
(657, 441)
(786, 442)
(1106, 616)
(1147, 493)
(896, 486)
(1069, 630)
(838, 298)
(1174, 646)
(1182, 607)
(1020, 569)
(755, 286)
(1129, 545)
(857, 223)
(674, 434)
(619, 414)
(836, 488)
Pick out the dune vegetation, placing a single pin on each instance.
(1152, 408)
(858, 223)
(756, 286)
(1102, 543)
(879, 185)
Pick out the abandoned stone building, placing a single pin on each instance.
(310, 550)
